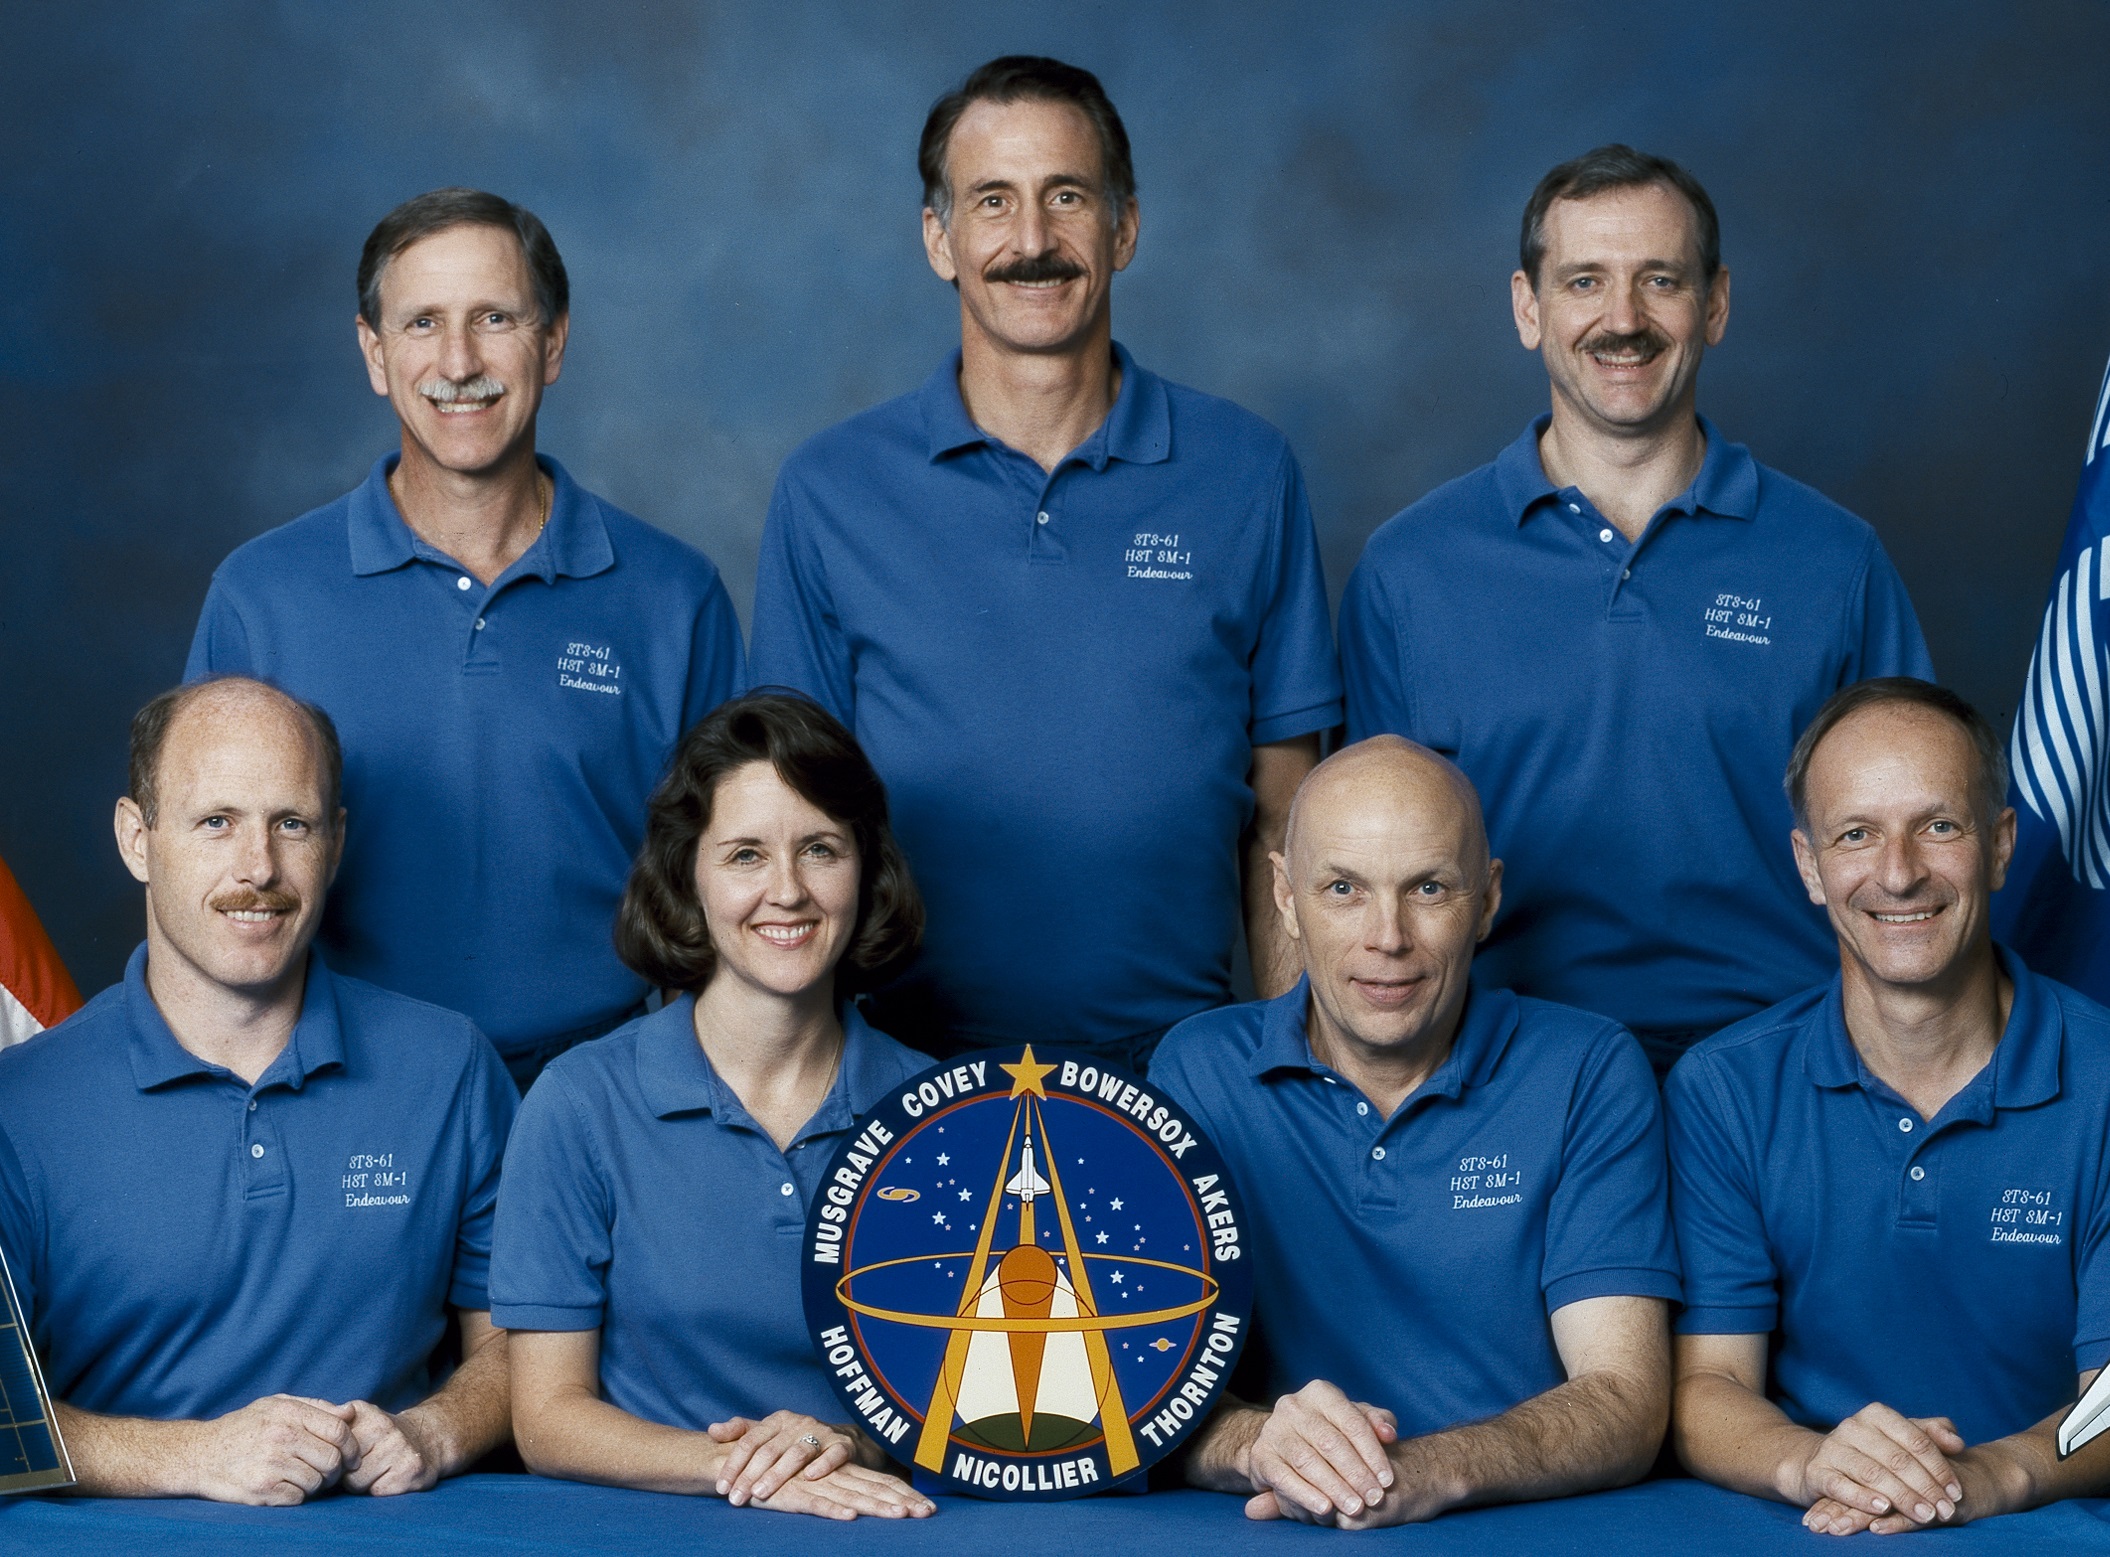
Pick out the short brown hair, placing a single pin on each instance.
(1617, 167)
(1990, 781)
(150, 730)
(1016, 78)
(438, 210)
(660, 931)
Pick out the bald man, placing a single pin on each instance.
(1463, 1260)
(239, 1192)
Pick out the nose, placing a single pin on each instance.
(1899, 869)
(256, 860)
(1031, 235)
(1385, 928)
(459, 357)
(1623, 312)
(787, 887)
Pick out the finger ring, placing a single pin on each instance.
(810, 1441)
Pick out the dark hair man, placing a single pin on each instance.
(1073, 612)
(1462, 1252)
(1618, 626)
(1891, 1190)
(510, 658)
(240, 1192)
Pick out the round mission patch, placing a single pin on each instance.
(1027, 1276)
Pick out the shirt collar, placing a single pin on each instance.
(158, 1059)
(574, 542)
(2025, 1063)
(1485, 1027)
(1727, 485)
(676, 1075)
(1137, 429)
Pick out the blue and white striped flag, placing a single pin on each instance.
(2055, 909)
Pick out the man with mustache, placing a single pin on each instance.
(241, 1192)
(1617, 628)
(510, 657)
(1892, 1191)
(1461, 1247)
(1073, 611)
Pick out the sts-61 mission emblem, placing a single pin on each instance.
(1027, 1277)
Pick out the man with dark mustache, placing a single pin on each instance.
(510, 658)
(240, 1192)
(1074, 612)
(1617, 628)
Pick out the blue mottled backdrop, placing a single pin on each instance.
(1915, 203)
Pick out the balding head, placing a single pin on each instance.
(219, 700)
(1386, 886)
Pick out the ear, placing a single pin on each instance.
(1285, 896)
(131, 826)
(1125, 231)
(1524, 304)
(1491, 901)
(937, 247)
(1718, 307)
(553, 344)
(2003, 848)
(1806, 863)
(370, 349)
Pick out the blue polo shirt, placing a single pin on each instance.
(1061, 679)
(1415, 1261)
(1958, 1266)
(186, 1243)
(1626, 712)
(641, 1199)
(499, 743)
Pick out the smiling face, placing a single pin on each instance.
(777, 878)
(1032, 242)
(1621, 313)
(1897, 847)
(461, 349)
(1387, 887)
(240, 851)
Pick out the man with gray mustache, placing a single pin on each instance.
(509, 657)
(1618, 628)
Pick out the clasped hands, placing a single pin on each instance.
(1321, 1458)
(1879, 1470)
(795, 1464)
(283, 1449)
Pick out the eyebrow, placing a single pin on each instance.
(1052, 181)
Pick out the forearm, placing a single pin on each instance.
(1734, 1437)
(1600, 1430)
(472, 1414)
(1221, 1459)
(2024, 1470)
(575, 1435)
(129, 1456)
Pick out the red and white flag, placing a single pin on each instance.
(36, 991)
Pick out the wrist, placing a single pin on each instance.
(1995, 1480)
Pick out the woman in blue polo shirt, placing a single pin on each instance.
(646, 1257)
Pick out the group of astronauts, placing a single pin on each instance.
(1046, 668)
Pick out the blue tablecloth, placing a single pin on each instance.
(527, 1514)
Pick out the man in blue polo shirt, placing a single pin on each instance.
(509, 657)
(1074, 612)
(1462, 1253)
(239, 1192)
(1618, 627)
(1893, 1191)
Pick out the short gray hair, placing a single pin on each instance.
(1990, 781)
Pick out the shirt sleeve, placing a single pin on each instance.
(1371, 663)
(220, 646)
(1296, 676)
(717, 660)
(1888, 641)
(1608, 1222)
(552, 1246)
(1731, 1284)
(18, 1240)
(489, 1101)
(798, 640)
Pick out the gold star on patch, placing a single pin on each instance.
(1026, 1076)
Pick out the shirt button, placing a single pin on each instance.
(479, 624)
(1905, 1125)
(1575, 508)
(1623, 573)
(1918, 1174)
(461, 583)
(1602, 535)
(1040, 518)
(785, 1189)
(252, 1105)
(257, 1150)
(1362, 1108)
(1378, 1152)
